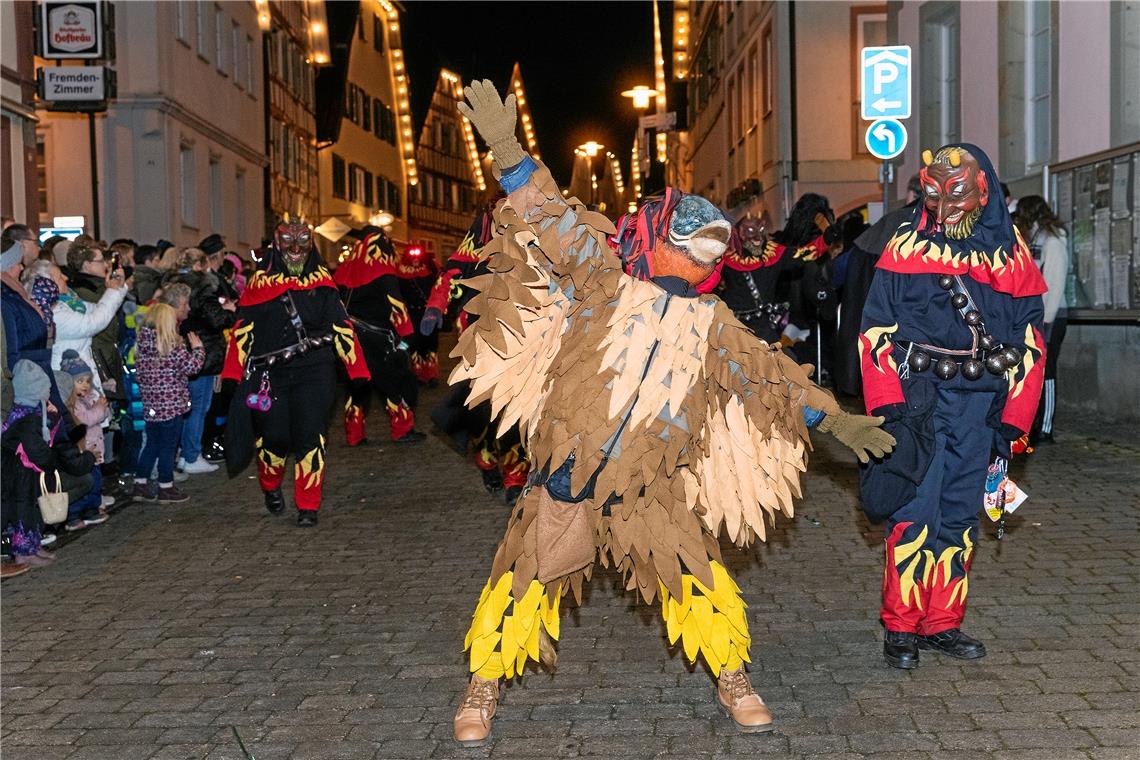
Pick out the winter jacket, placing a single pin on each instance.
(162, 379)
(77, 330)
(88, 411)
(25, 455)
(1051, 254)
(105, 343)
(25, 334)
(147, 281)
(207, 317)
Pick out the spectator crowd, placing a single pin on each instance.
(111, 357)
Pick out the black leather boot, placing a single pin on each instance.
(492, 481)
(953, 643)
(306, 518)
(275, 501)
(900, 649)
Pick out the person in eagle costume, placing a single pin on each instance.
(290, 329)
(500, 459)
(369, 280)
(655, 421)
(952, 357)
(755, 262)
(418, 273)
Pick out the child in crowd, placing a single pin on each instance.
(164, 366)
(87, 505)
(87, 405)
(32, 445)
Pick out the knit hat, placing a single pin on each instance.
(30, 384)
(72, 363)
(11, 257)
(212, 244)
(66, 384)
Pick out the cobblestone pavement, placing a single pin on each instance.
(160, 633)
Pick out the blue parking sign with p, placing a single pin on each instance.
(885, 82)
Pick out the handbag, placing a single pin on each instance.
(53, 504)
(565, 538)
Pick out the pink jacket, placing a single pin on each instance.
(88, 411)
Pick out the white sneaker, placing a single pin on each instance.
(108, 501)
(179, 476)
(180, 465)
(199, 466)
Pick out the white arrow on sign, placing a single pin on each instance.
(882, 104)
(884, 133)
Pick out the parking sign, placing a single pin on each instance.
(885, 82)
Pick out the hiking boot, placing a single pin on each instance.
(738, 701)
(953, 643)
(476, 712)
(171, 495)
(900, 649)
(275, 501)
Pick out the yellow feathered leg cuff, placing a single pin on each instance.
(505, 631)
(709, 621)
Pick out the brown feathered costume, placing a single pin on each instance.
(674, 424)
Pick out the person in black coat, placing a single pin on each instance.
(212, 312)
(32, 442)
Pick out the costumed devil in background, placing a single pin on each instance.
(656, 422)
(291, 327)
(501, 459)
(370, 281)
(952, 356)
(418, 273)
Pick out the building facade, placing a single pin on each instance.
(19, 193)
(296, 45)
(772, 109)
(452, 184)
(368, 161)
(181, 150)
(1051, 91)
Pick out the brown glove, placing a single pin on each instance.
(495, 119)
(860, 433)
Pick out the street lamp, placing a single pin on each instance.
(381, 219)
(640, 96)
(589, 150)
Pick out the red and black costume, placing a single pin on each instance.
(291, 328)
(952, 355)
(501, 460)
(750, 277)
(418, 273)
(370, 281)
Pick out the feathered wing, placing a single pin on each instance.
(753, 444)
(542, 255)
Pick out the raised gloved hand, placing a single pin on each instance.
(863, 435)
(432, 321)
(495, 119)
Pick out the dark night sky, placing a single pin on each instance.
(576, 58)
